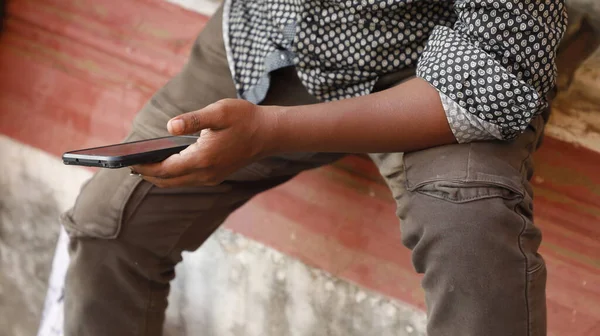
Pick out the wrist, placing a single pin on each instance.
(287, 132)
(273, 140)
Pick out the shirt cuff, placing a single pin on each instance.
(465, 126)
(478, 84)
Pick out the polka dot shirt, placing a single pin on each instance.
(492, 61)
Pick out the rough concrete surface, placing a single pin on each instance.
(235, 286)
(29, 209)
(26, 247)
(207, 7)
(576, 115)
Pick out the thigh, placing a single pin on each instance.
(503, 164)
(460, 174)
(204, 79)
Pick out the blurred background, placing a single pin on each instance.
(320, 255)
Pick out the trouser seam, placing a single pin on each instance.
(182, 232)
(469, 162)
(160, 106)
(136, 202)
(530, 148)
(537, 268)
(148, 305)
(466, 199)
(124, 206)
(527, 308)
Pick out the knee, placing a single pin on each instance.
(480, 263)
(99, 208)
(97, 245)
(485, 227)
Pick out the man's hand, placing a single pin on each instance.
(404, 118)
(234, 133)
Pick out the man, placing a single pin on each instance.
(276, 87)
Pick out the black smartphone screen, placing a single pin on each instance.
(137, 147)
(129, 153)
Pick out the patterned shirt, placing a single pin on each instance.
(492, 61)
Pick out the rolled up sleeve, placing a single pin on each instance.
(494, 68)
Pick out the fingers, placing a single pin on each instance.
(178, 171)
(212, 116)
(195, 179)
(190, 180)
(186, 162)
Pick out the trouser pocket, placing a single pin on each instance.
(462, 192)
(99, 208)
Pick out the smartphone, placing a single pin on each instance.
(129, 153)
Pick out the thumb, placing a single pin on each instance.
(194, 122)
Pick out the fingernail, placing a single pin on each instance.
(176, 125)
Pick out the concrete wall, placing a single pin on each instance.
(34, 189)
(576, 115)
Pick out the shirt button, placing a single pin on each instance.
(282, 57)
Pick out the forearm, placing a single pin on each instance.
(403, 118)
